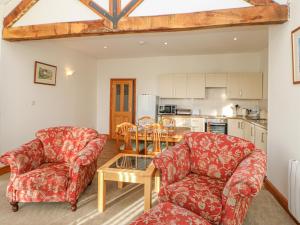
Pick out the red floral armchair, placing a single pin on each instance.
(214, 176)
(55, 167)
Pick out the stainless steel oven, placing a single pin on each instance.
(218, 126)
(167, 109)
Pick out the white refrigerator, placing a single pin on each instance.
(147, 106)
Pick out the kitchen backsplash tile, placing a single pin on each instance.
(215, 103)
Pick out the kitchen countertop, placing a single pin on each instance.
(263, 123)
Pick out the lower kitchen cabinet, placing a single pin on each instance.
(235, 128)
(261, 135)
(249, 131)
(197, 124)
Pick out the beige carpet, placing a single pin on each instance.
(124, 205)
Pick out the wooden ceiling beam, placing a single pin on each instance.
(259, 2)
(254, 15)
(258, 15)
(18, 12)
(55, 30)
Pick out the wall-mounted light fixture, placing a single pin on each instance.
(69, 72)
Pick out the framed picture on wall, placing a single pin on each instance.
(296, 55)
(45, 74)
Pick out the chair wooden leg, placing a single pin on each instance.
(90, 183)
(73, 206)
(14, 206)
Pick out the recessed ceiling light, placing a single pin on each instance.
(141, 42)
(105, 47)
(165, 43)
(235, 38)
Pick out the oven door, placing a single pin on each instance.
(217, 128)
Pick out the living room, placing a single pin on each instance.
(81, 95)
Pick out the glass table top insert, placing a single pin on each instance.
(132, 163)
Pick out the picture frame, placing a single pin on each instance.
(296, 55)
(45, 74)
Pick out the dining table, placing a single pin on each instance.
(175, 136)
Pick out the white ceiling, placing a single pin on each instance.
(212, 41)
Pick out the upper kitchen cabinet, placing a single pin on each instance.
(245, 86)
(166, 86)
(196, 86)
(179, 85)
(216, 80)
(182, 86)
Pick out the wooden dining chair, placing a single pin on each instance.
(127, 140)
(157, 139)
(169, 124)
(145, 121)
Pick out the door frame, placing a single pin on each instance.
(111, 101)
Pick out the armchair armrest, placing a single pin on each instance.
(244, 184)
(90, 153)
(83, 166)
(174, 163)
(25, 158)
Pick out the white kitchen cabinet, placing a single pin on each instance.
(235, 128)
(182, 86)
(216, 80)
(179, 85)
(249, 131)
(253, 86)
(261, 138)
(166, 89)
(182, 121)
(196, 86)
(245, 86)
(197, 124)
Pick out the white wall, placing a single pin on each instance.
(27, 107)
(1, 83)
(284, 98)
(147, 70)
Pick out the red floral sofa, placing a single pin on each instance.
(214, 176)
(55, 167)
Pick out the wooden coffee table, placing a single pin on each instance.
(130, 169)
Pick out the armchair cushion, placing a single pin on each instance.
(174, 163)
(216, 155)
(199, 194)
(50, 179)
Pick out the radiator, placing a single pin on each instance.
(294, 188)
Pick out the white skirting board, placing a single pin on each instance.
(294, 188)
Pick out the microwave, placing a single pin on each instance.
(168, 109)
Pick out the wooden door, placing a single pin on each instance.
(122, 103)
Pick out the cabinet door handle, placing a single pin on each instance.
(241, 92)
(251, 131)
(239, 125)
(262, 138)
